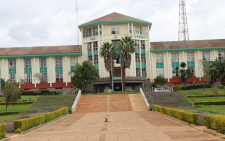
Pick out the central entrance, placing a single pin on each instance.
(117, 87)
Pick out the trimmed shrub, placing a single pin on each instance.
(208, 95)
(24, 124)
(219, 86)
(57, 92)
(215, 122)
(190, 87)
(17, 103)
(30, 92)
(45, 92)
(210, 103)
(2, 130)
(177, 87)
(179, 114)
(27, 123)
(8, 113)
(55, 114)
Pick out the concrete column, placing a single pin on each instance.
(128, 27)
(35, 84)
(132, 31)
(65, 64)
(214, 54)
(140, 57)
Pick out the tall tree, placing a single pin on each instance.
(185, 73)
(41, 78)
(107, 51)
(83, 75)
(204, 68)
(217, 70)
(127, 48)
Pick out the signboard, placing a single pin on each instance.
(140, 37)
(92, 38)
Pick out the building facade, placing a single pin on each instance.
(150, 60)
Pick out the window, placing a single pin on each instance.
(89, 46)
(12, 77)
(73, 61)
(138, 72)
(43, 62)
(95, 31)
(136, 29)
(144, 72)
(221, 55)
(27, 63)
(143, 60)
(28, 77)
(175, 64)
(144, 30)
(59, 69)
(115, 29)
(190, 56)
(85, 33)
(159, 64)
(28, 70)
(95, 44)
(58, 62)
(59, 76)
(95, 59)
(137, 57)
(191, 61)
(143, 44)
(12, 63)
(136, 43)
(116, 43)
(130, 28)
(90, 58)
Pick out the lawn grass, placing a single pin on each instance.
(215, 109)
(19, 108)
(201, 91)
(25, 97)
(10, 117)
(207, 99)
(52, 102)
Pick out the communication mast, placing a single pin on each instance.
(183, 34)
(77, 24)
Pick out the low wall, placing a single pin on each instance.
(76, 101)
(145, 99)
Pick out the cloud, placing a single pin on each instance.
(53, 22)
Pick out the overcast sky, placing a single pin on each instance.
(25, 23)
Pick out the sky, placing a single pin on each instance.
(25, 23)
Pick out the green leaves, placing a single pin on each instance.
(159, 80)
(84, 74)
(185, 73)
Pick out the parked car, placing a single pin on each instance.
(161, 90)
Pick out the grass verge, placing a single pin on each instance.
(10, 117)
(19, 108)
(207, 99)
(201, 91)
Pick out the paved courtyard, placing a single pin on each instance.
(136, 124)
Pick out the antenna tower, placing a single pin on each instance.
(183, 34)
(77, 24)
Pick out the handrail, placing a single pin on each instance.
(76, 101)
(73, 90)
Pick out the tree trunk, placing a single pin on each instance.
(123, 76)
(110, 79)
(6, 104)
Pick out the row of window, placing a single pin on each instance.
(43, 68)
(175, 61)
(115, 30)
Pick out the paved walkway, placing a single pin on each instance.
(137, 102)
(126, 125)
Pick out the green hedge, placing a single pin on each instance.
(42, 92)
(208, 95)
(2, 130)
(17, 103)
(200, 86)
(215, 122)
(24, 124)
(179, 114)
(210, 103)
(9, 113)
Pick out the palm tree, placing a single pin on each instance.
(107, 51)
(127, 48)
